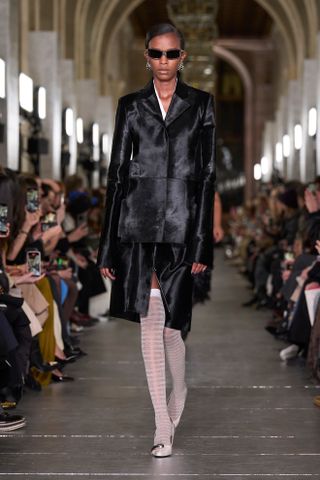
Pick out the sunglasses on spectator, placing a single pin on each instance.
(170, 54)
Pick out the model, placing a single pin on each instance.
(158, 226)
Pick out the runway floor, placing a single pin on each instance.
(248, 415)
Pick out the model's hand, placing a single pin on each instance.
(198, 268)
(312, 201)
(27, 278)
(78, 233)
(218, 233)
(107, 273)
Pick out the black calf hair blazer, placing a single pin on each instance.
(162, 174)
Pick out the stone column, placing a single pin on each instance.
(105, 118)
(9, 107)
(279, 132)
(69, 99)
(318, 106)
(87, 101)
(309, 100)
(294, 118)
(44, 67)
(268, 149)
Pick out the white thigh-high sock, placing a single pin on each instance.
(176, 353)
(153, 353)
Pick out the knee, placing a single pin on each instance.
(171, 335)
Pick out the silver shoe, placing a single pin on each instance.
(161, 450)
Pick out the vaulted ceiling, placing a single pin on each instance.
(236, 18)
(87, 28)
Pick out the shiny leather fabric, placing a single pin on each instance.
(131, 289)
(160, 196)
(162, 173)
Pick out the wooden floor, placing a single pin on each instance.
(248, 415)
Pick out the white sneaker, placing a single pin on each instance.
(289, 352)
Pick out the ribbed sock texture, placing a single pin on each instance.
(175, 352)
(152, 344)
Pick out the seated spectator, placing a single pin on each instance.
(278, 248)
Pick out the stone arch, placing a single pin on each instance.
(313, 15)
(245, 76)
(282, 23)
(110, 24)
(79, 37)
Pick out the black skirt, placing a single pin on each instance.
(131, 289)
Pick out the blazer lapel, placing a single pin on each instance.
(179, 103)
(150, 102)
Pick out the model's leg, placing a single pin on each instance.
(152, 327)
(176, 352)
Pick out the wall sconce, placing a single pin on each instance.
(298, 136)
(286, 146)
(257, 171)
(95, 135)
(79, 127)
(26, 92)
(105, 143)
(41, 103)
(279, 152)
(264, 166)
(69, 122)
(2, 78)
(312, 122)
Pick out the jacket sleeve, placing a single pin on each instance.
(120, 158)
(201, 246)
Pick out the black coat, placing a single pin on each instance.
(160, 196)
(162, 174)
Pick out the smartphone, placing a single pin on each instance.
(48, 221)
(82, 218)
(34, 262)
(3, 218)
(289, 257)
(32, 200)
(62, 263)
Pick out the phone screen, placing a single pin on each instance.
(34, 262)
(49, 220)
(32, 199)
(3, 217)
(82, 218)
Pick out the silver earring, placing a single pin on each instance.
(148, 66)
(181, 66)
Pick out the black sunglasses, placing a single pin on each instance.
(170, 54)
